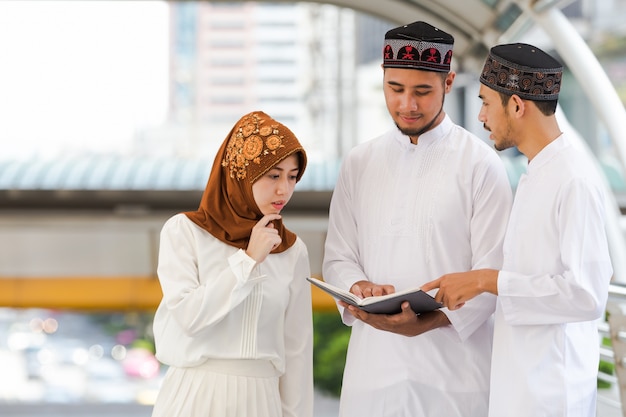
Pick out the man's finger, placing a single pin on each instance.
(431, 285)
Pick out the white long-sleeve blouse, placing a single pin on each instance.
(218, 303)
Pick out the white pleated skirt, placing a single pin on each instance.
(220, 388)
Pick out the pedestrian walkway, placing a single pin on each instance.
(608, 403)
(325, 406)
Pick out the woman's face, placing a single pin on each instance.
(274, 189)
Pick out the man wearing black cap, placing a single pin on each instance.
(424, 199)
(553, 284)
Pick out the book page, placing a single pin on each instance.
(420, 301)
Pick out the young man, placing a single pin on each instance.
(553, 284)
(423, 199)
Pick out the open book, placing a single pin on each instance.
(420, 301)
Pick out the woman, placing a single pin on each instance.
(235, 324)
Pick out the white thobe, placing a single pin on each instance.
(219, 304)
(552, 287)
(405, 214)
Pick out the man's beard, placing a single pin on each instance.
(503, 145)
(506, 141)
(427, 127)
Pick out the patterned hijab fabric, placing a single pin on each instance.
(418, 46)
(524, 70)
(254, 146)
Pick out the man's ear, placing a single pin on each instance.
(517, 106)
(449, 81)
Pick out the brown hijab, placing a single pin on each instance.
(254, 146)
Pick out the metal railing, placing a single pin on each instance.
(610, 334)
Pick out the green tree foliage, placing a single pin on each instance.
(329, 351)
(606, 367)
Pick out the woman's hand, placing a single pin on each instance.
(264, 238)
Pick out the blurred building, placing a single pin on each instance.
(298, 62)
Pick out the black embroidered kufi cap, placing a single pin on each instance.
(522, 69)
(418, 46)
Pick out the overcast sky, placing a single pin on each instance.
(80, 75)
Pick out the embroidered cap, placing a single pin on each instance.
(418, 46)
(522, 69)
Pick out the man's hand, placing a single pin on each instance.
(455, 289)
(363, 289)
(405, 323)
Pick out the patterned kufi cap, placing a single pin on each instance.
(524, 70)
(257, 143)
(418, 46)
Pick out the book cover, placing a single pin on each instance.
(420, 301)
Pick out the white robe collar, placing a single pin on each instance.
(428, 138)
(547, 153)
